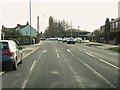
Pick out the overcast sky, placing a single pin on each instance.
(88, 14)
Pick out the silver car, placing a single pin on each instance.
(70, 40)
(10, 54)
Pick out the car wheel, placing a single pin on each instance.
(14, 66)
(21, 59)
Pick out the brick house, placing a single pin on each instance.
(114, 28)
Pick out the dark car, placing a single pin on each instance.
(10, 54)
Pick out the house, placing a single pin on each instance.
(115, 25)
(0, 34)
(25, 34)
(114, 31)
(25, 30)
(85, 35)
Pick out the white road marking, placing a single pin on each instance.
(80, 50)
(102, 60)
(55, 48)
(68, 50)
(31, 69)
(33, 65)
(29, 53)
(57, 52)
(109, 63)
(32, 51)
(99, 75)
(24, 84)
(55, 72)
(95, 72)
(75, 74)
(58, 55)
(44, 51)
(90, 54)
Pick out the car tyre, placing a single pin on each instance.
(14, 66)
(21, 59)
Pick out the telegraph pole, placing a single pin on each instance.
(30, 21)
(78, 30)
(38, 24)
(71, 28)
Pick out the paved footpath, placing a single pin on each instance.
(27, 50)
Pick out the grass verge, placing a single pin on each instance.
(94, 45)
(115, 49)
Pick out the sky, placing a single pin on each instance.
(87, 14)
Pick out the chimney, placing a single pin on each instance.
(2, 26)
(27, 23)
(18, 25)
(112, 19)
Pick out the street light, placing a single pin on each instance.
(71, 27)
(30, 20)
(78, 30)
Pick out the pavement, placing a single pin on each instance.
(27, 50)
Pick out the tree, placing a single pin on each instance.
(50, 21)
(56, 28)
(97, 34)
(107, 30)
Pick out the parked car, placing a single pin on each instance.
(78, 39)
(70, 40)
(64, 39)
(10, 54)
(51, 39)
(59, 39)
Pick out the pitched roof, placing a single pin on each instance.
(4, 29)
(7, 29)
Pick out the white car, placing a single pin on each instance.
(78, 39)
(64, 39)
(59, 39)
(70, 40)
(10, 53)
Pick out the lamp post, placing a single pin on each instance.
(30, 21)
(71, 27)
(78, 30)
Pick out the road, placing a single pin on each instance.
(60, 65)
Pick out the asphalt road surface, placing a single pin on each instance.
(60, 65)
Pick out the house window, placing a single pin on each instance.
(116, 25)
(113, 26)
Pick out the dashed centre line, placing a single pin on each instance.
(33, 65)
(57, 52)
